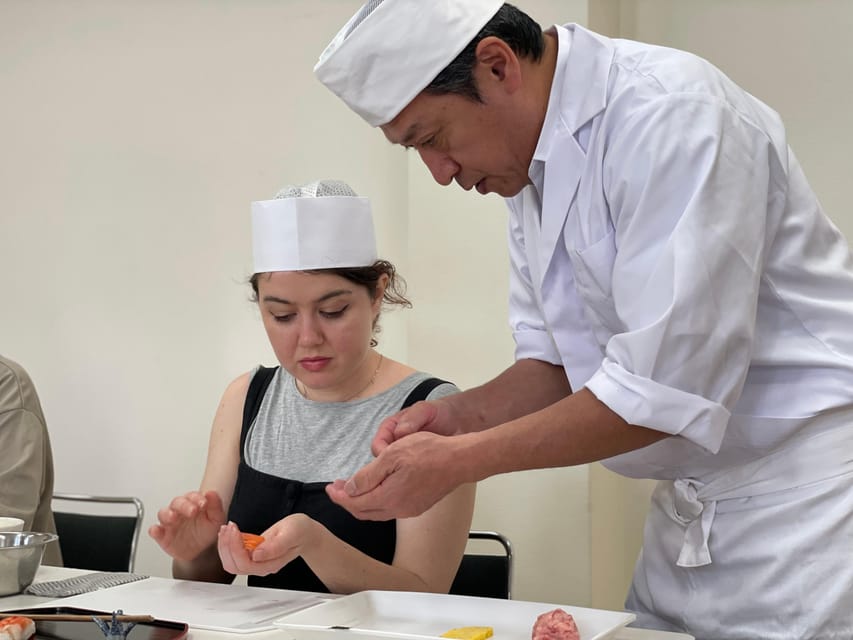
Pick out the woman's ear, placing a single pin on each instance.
(381, 285)
(497, 63)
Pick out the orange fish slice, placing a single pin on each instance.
(250, 541)
(16, 627)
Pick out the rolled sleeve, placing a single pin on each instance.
(537, 345)
(670, 410)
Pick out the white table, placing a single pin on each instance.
(46, 574)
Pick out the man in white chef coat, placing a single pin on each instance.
(682, 307)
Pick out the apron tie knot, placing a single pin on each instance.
(698, 516)
(808, 460)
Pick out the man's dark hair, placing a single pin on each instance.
(521, 32)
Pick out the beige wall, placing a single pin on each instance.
(135, 135)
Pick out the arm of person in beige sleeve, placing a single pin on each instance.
(26, 460)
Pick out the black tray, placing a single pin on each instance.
(88, 630)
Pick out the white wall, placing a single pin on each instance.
(136, 134)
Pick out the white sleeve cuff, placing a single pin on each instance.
(647, 403)
(536, 345)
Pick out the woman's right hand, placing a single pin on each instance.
(189, 525)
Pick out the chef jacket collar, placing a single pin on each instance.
(555, 98)
(579, 88)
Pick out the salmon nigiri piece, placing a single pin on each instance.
(250, 541)
(16, 628)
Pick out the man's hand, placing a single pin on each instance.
(428, 449)
(408, 477)
(421, 416)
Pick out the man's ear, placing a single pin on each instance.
(497, 63)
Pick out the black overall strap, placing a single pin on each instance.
(254, 396)
(422, 391)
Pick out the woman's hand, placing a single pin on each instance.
(189, 525)
(286, 540)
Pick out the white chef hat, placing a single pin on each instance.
(390, 50)
(321, 225)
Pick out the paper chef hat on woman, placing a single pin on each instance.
(322, 225)
(392, 49)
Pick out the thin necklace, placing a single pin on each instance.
(304, 389)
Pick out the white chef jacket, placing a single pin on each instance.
(671, 256)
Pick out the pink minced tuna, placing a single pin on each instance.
(555, 625)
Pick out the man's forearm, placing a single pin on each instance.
(573, 431)
(525, 387)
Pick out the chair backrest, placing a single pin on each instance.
(485, 575)
(96, 540)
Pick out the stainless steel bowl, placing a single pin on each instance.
(20, 558)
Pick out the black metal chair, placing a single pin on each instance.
(485, 575)
(96, 540)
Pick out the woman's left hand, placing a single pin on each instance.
(286, 540)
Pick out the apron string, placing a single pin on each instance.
(820, 457)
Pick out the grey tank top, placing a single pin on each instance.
(300, 439)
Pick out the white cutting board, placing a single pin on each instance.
(203, 605)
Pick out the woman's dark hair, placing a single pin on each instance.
(367, 277)
(521, 32)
